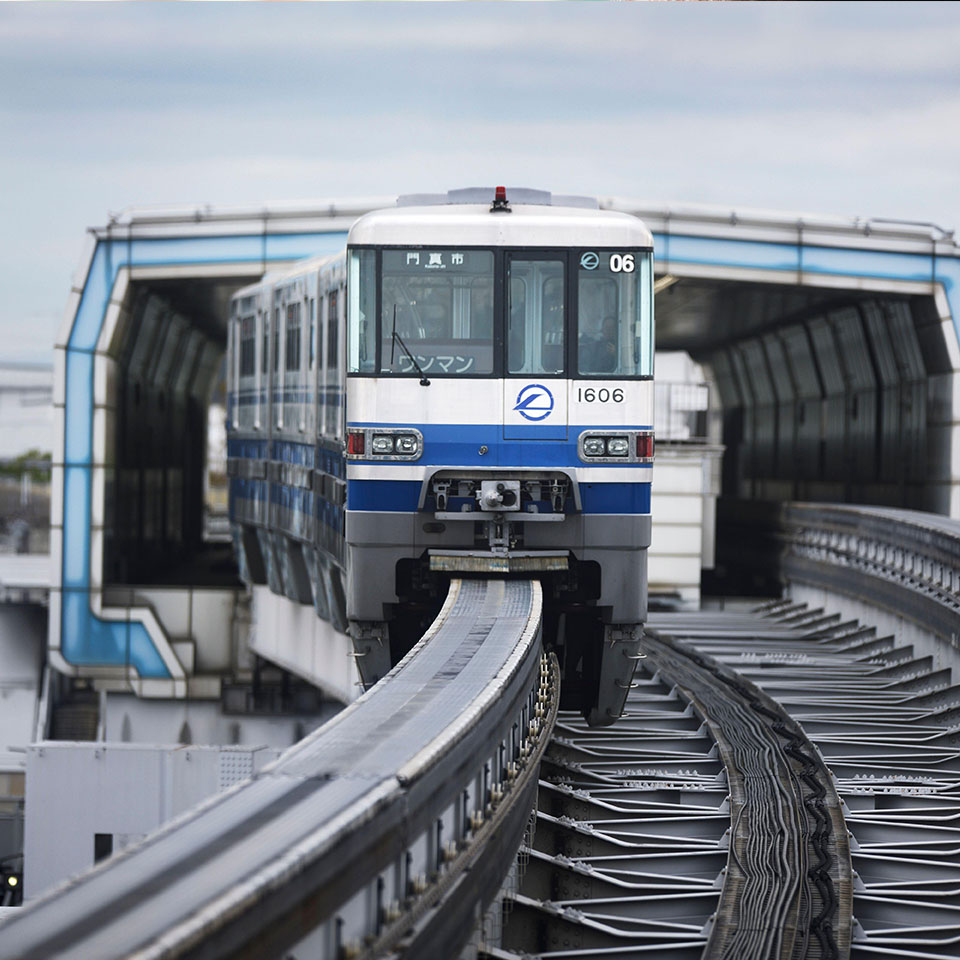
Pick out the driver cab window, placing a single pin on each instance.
(437, 311)
(598, 346)
(535, 321)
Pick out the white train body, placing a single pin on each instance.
(467, 390)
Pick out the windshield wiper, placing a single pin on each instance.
(395, 338)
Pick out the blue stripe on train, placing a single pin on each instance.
(402, 496)
(390, 496)
(615, 497)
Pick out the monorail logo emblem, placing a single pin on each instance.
(534, 402)
(590, 261)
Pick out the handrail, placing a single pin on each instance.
(902, 560)
(354, 834)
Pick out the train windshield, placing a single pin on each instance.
(615, 314)
(536, 315)
(437, 307)
(420, 311)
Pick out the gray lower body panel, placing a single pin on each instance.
(376, 541)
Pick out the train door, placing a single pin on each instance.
(535, 347)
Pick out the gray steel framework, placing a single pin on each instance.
(644, 847)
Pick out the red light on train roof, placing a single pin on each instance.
(500, 204)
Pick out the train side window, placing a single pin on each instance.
(333, 331)
(292, 346)
(322, 320)
(276, 339)
(333, 365)
(362, 312)
(265, 342)
(248, 346)
(278, 366)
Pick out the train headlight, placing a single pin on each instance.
(386, 443)
(594, 446)
(617, 447)
(624, 446)
(407, 444)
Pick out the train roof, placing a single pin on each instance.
(285, 274)
(469, 217)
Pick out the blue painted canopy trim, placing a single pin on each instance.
(87, 640)
(90, 641)
(833, 261)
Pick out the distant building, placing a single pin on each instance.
(26, 408)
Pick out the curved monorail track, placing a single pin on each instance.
(391, 827)
(783, 785)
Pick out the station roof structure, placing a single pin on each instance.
(724, 277)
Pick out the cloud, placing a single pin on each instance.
(849, 108)
(332, 57)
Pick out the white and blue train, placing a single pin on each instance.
(466, 390)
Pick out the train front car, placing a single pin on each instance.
(499, 422)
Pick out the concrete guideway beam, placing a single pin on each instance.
(352, 835)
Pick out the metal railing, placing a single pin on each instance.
(900, 560)
(681, 411)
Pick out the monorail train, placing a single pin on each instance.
(467, 390)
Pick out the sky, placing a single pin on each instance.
(850, 109)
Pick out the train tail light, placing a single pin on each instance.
(355, 442)
(645, 446)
